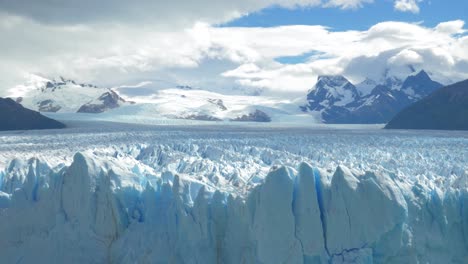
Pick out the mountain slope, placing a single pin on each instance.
(152, 102)
(446, 109)
(419, 86)
(201, 105)
(108, 100)
(331, 91)
(14, 116)
(66, 96)
(340, 102)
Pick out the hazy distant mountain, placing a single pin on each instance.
(148, 100)
(337, 100)
(63, 95)
(108, 100)
(446, 108)
(202, 105)
(334, 99)
(13, 116)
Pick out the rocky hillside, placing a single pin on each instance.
(13, 116)
(446, 109)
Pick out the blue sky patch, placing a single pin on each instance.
(299, 58)
(431, 13)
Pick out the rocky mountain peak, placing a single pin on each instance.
(339, 101)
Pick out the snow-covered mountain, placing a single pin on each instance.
(108, 100)
(365, 87)
(148, 101)
(334, 99)
(337, 100)
(202, 105)
(65, 96)
(332, 91)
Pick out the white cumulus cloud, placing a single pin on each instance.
(110, 51)
(407, 6)
(346, 4)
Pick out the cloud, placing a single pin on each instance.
(114, 51)
(207, 56)
(394, 48)
(407, 6)
(175, 13)
(451, 27)
(406, 57)
(347, 4)
(162, 14)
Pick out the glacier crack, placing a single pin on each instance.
(318, 190)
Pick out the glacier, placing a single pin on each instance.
(155, 194)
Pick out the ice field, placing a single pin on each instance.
(113, 193)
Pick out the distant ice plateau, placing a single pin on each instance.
(233, 194)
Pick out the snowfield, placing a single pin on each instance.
(113, 193)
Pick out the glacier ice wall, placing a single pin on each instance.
(99, 210)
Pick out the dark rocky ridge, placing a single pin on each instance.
(48, 106)
(219, 103)
(257, 116)
(200, 117)
(13, 116)
(445, 109)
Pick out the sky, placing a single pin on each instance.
(279, 46)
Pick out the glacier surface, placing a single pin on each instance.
(164, 194)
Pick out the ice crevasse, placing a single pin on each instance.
(93, 211)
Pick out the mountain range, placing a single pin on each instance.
(334, 100)
(64, 95)
(338, 101)
(175, 102)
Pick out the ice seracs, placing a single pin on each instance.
(141, 194)
(303, 216)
